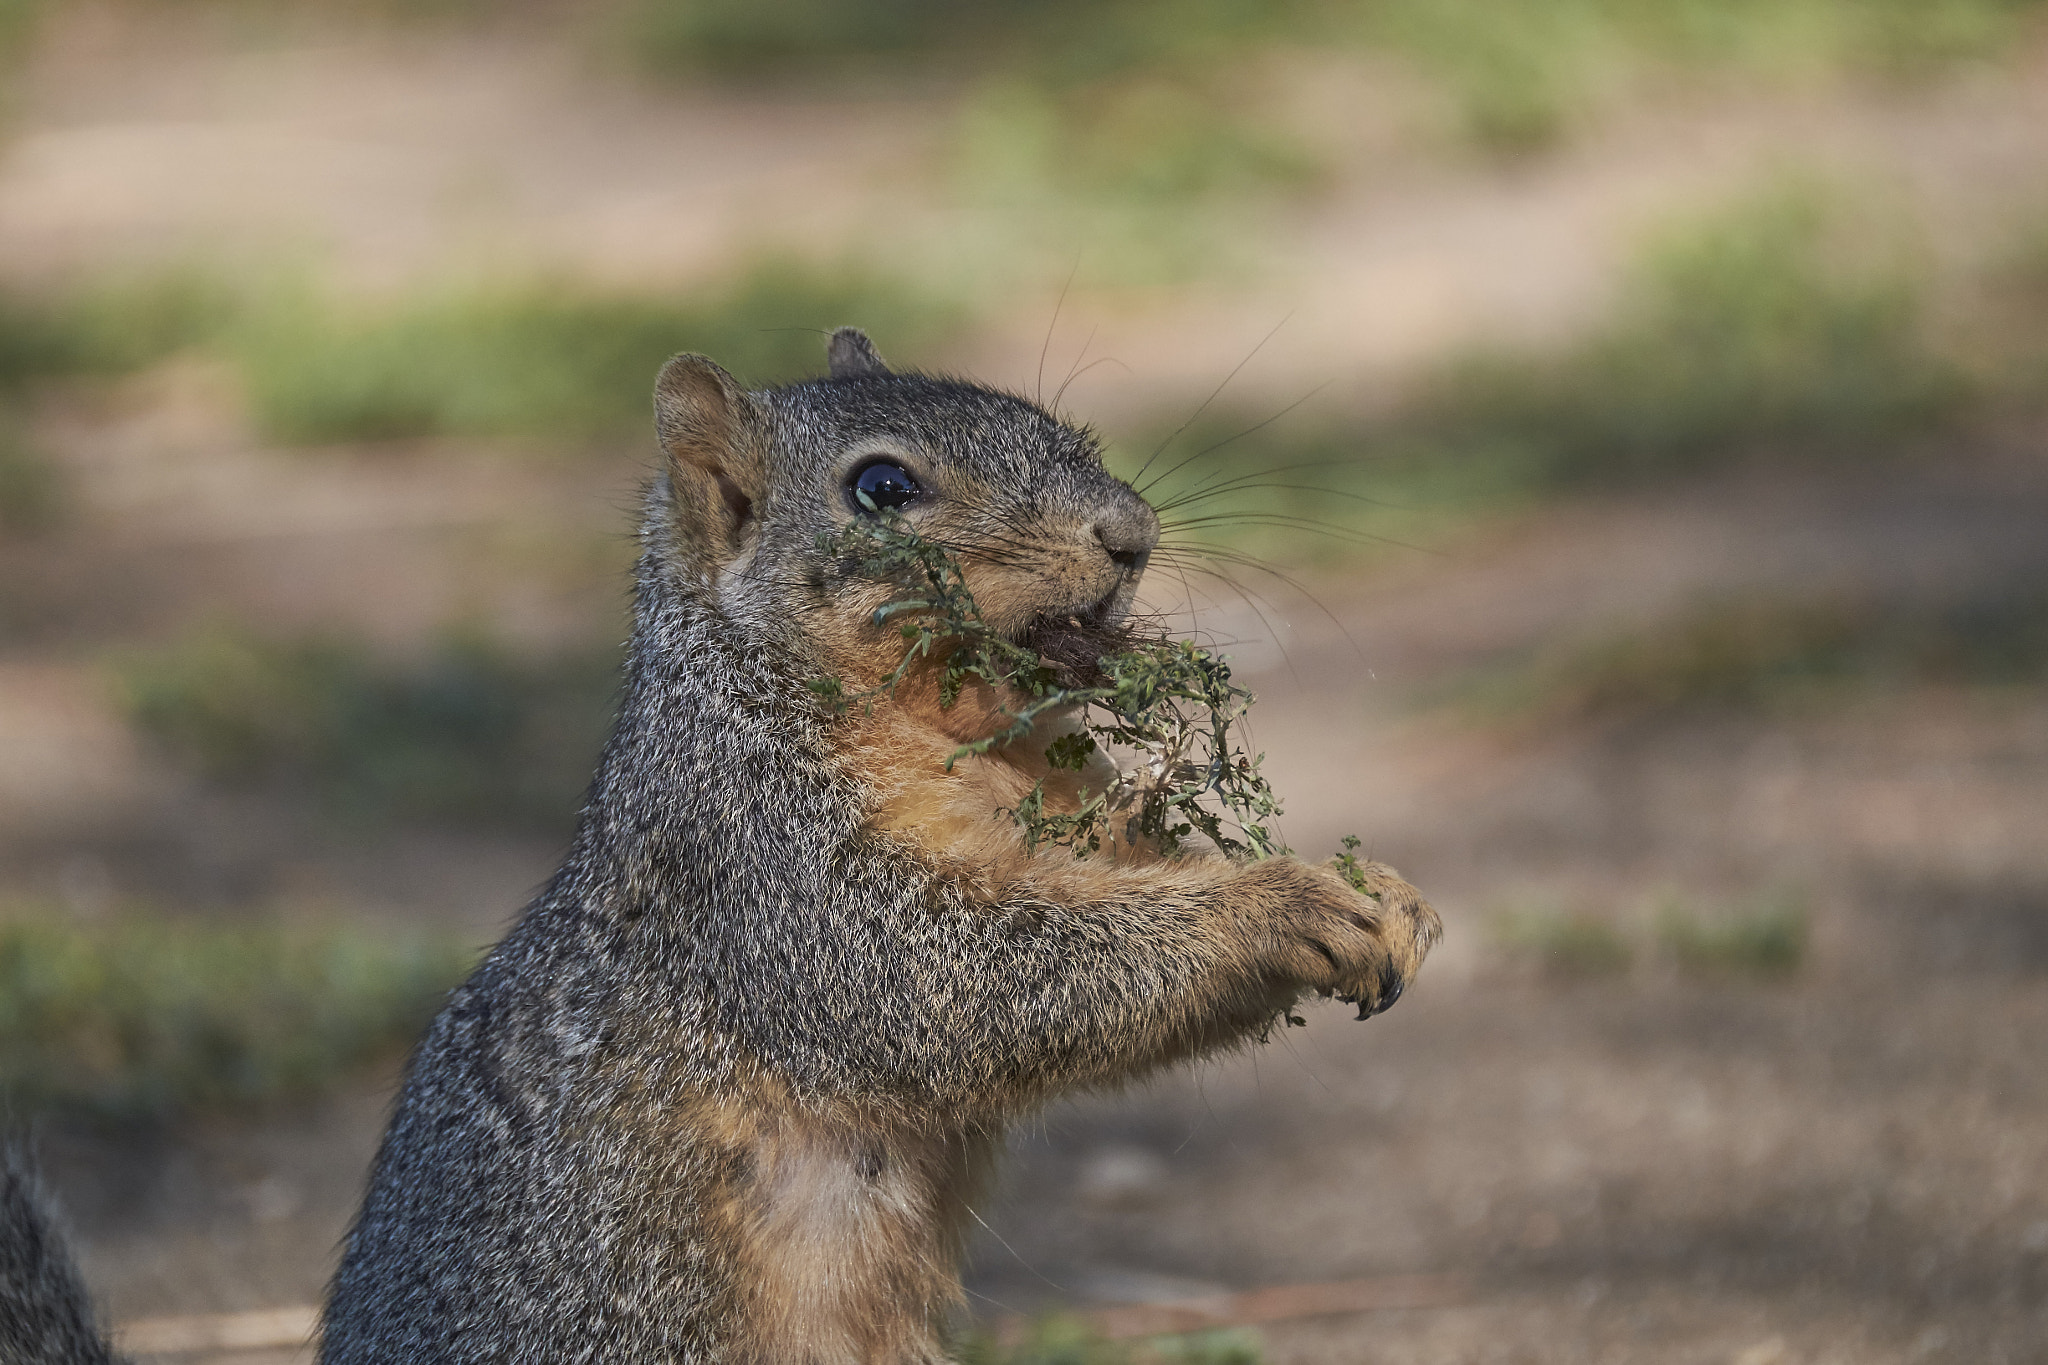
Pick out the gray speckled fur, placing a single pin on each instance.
(45, 1317)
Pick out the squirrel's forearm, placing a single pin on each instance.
(909, 985)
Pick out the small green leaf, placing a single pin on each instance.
(1070, 751)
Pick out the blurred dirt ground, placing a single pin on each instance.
(1849, 1164)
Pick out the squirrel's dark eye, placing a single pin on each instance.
(885, 485)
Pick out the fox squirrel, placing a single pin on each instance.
(728, 1089)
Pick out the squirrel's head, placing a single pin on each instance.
(1052, 545)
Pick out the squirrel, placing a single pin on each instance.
(46, 1317)
(730, 1087)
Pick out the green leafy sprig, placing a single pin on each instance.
(1169, 704)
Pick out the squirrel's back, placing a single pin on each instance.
(45, 1316)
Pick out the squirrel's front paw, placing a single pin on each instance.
(1407, 929)
(1363, 947)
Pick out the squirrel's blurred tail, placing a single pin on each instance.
(45, 1317)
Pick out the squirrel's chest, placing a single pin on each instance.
(958, 807)
(850, 1240)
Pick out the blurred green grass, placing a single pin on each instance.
(548, 360)
(102, 327)
(1779, 328)
(1068, 40)
(1764, 936)
(468, 731)
(1162, 132)
(1517, 73)
(1573, 944)
(144, 1017)
(1767, 323)
(506, 360)
(1751, 651)
(17, 24)
(1522, 72)
(1164, 177)
(1498, 41)
(112, 324)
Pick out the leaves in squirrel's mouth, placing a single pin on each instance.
(1074, 646)
(1167, 706)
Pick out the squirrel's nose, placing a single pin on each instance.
(1128, 537)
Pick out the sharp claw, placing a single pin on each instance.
(1391, 986)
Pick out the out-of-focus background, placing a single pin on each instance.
(1609, 434)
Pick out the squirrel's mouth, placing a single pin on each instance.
(1074, 643)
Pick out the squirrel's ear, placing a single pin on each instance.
(710, 429)
(849, 354)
